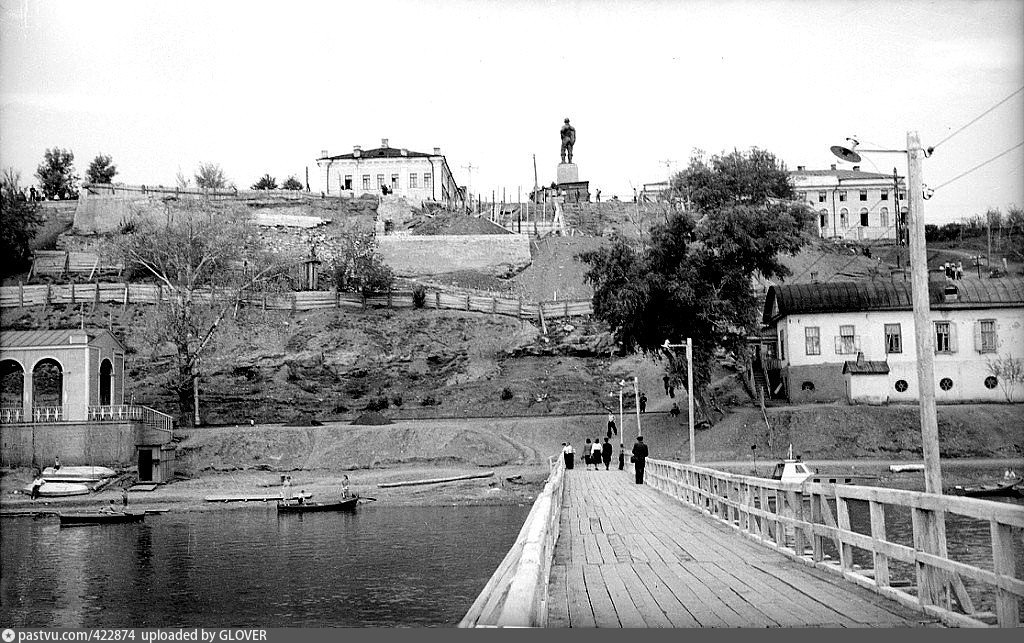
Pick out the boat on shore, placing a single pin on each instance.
(60, 489)
(81, 519)
(348, 504)
(77, 474)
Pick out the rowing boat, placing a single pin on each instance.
(59, 489)
(77, 474)
(349, 504)
(100, 518)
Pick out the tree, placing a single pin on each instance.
(293, 184)
(357, 267)
(101, 170)
(210, 176)
(56, 174)
(1009, 373)
(19, 219)
(266, 182)
(182, 180)
(208, 261)
(694, 277)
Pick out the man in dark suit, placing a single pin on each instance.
(639, 458)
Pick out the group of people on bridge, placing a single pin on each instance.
(595, 453)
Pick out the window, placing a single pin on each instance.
(802, 196)
(945, 340)
(901, 386)
(823, 218)
(394, 181)
(893, 339)
(863, 195)
(901, 196)
(821, 197)
(842, 195)
(844, 218)
(985, 336)
(846, 343)
(782, 343)
(945, 383)
(864, 217)
(812, 340)
(884, 195)
(348, 181)
(991, 382)
(366, 181)
(883, 217)
(427, 179)
(413, 183)
(380, 180)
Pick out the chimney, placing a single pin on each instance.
(404, 152)
(801, 168)
(383, 142)
(833, 166)
(856, 168)
(323, 154)
(357, 150)
(437, 151)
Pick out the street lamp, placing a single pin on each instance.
(689, 390)
(919, 295)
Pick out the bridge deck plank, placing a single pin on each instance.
(630, 556)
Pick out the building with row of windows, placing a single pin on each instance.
(855, 340)
(417, 176)
(855, 205)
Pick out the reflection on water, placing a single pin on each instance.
(378, 566)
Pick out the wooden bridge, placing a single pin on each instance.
(695, 547)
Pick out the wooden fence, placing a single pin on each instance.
(516, 594)
(798, 520)
(121, 293)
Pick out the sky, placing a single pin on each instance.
(263, 87)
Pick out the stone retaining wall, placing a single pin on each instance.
(412, 256)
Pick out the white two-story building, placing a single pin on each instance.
(417, 176)
(854, 341)
(852, 204)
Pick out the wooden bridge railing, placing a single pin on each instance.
(798, 520)
(516, 594)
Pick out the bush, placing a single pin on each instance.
(429, 401)
(419, 296)
(396, 400)
(377, 404)
(506, 394)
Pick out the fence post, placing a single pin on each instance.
(467, 301)
(72, 293)
(47, 295)
(881, 561)
(295, 301)
(494, 305)
(21, 294)
(437, 299)
(337, 299)
(389, 297)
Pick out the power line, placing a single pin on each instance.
(977, 118)
(979, 165)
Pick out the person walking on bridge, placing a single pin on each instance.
(606, 453)
(595, 453)
(640, 452)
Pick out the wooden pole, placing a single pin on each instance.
(636, 394)
(689, 397)
(923, 333)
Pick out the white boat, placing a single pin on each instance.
(59, 489)
(77, 474)
(900, 468)
(793, 470)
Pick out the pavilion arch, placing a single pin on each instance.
(48, 382)
(106, 382)
(12, 384)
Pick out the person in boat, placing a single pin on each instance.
(302, 497)
(345, 493)
(110, 508)
(124, 497)
(56, 463)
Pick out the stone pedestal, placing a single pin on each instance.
(567, 173)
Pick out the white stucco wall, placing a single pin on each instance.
(440, 188)
(965, 366)
(880, 225)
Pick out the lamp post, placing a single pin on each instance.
(689, 391)
(919, 295)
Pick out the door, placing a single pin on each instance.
(145, 465)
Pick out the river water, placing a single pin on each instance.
(376, 567)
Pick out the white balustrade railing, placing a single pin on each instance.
(516, 594)
(799, 519)
(12, 415)
(115, 413)
(43, 414)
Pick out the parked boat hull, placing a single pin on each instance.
(77, 474)
(307, 507)
(99, 518)
(60, 489)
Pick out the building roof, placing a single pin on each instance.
(841, 174)
(48, 338)
(379, 153)
(865, 367)
(862, 296)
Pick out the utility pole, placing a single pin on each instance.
(899, 225)
(536, 187)
(469, 168)
(636, 394)
(923, 333)
(988, 227)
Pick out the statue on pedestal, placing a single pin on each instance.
(568, 140)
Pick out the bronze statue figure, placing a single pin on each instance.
(568, 140)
